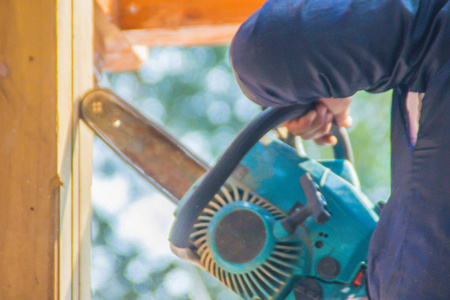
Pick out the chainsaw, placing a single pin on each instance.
(266, 220)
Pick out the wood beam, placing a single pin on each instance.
(120, 25)
(110, 8)
(45, 65)
(141, 14)
(75, 141)
(29, 182)
(180, 22)
(186, 36)
(113, 51)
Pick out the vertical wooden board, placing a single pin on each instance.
(45, 65)
(65, 144)
(29, 185)
(86, 140)
(75, 62)
(83, 80)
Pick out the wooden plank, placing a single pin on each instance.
(140, 14)
(29, 183)
(83, 80)
(188, 36)
(113, 51)
(122, 24)
(179, 22)
(45, 65)
(75, 63)
(110, 8)
(65, 143)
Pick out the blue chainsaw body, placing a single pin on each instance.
(316, 261)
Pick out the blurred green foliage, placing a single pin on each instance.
(192, 93)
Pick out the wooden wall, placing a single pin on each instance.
(45, 64)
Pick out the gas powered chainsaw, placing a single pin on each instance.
(267, 221)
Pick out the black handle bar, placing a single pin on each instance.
(214, 179)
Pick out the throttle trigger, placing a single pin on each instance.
(315, 207)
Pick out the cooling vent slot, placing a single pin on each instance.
(265, 281)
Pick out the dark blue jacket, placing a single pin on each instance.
(296, 51)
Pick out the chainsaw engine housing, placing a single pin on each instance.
(239, 237)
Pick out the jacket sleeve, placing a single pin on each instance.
(295, 51)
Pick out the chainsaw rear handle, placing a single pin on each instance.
(214, 179)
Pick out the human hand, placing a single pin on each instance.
(316, 124)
